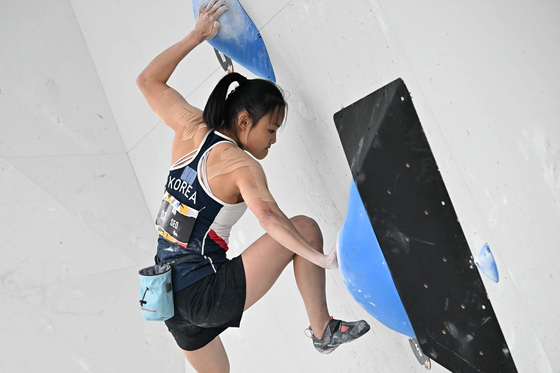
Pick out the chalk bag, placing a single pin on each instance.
(156, 292)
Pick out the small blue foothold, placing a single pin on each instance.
(486, 263)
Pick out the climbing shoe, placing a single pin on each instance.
(338, 332)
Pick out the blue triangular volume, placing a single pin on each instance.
(239, 39)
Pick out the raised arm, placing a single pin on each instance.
(153, 80)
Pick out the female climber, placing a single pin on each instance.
(212, 181)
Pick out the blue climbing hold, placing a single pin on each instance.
(364, 269)
(239, 39)
(486, 263)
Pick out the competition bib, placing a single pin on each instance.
(175, 220)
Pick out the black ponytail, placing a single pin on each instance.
(256, 96)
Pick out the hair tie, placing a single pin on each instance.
(242, 80)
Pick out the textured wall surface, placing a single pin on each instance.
(83, 162)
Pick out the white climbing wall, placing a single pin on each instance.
(83, 161)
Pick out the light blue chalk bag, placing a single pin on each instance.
(156, 290)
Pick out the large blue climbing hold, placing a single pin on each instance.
(239, 39)
(364, 269)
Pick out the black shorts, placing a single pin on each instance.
(208, 307)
